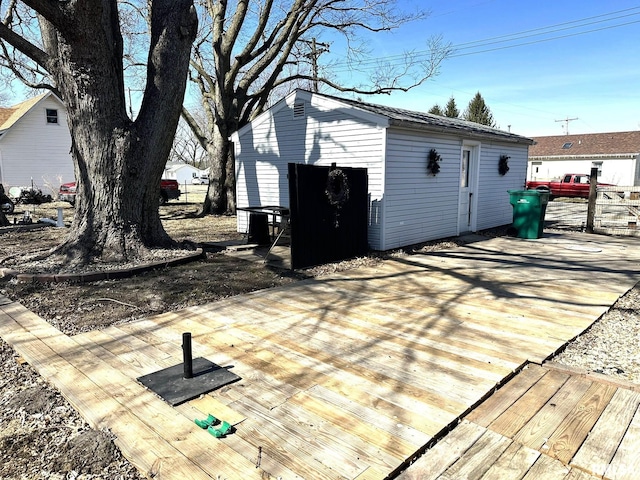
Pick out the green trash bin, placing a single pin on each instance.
(529, 207)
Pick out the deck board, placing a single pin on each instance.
(604, 440)
(572, 431)
(587, 429)
(626, 461)
(349, 376)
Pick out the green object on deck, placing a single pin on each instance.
(206, 423)
(220, 431)
(529, 207)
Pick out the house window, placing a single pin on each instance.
(597, 165)
(52, 115)
(567, 145)
(536, 166)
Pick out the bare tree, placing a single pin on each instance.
(187, 149)
(76, 48)
(242, 56)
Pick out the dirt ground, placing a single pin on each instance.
(41, 435)
(78, 307)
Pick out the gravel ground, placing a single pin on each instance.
(612, 345)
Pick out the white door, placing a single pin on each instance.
(466, 211)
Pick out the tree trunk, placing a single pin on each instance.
(119, 162)
(220, 199)
(4, 222)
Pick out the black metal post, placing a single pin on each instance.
(186, 355)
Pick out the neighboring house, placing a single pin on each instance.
(35, 144)
(407, 204)
(614, 154)
(183, 172)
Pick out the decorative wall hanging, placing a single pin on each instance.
(337, 191)
(433, 162)
(503, 164)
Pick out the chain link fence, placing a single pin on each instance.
(568, 214)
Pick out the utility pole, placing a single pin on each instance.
(313, 56)
(566, 121)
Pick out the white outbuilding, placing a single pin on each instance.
(409, 202)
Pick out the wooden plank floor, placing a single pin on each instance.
(548, 422)
(346, 376)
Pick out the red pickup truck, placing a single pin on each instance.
(571, 185)
(169, 190)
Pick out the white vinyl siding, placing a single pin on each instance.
(493, 207)
(407, 205)
(33, 149)
(322, 137)
(420, 206)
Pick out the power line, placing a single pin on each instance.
(513, 37)
(552, 28)
(544, 40)
(313, 56)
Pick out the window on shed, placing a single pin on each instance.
(298, 110)
(464, 177)
(52, 115)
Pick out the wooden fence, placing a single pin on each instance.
(328, 219)
(617, 211)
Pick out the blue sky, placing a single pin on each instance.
(594, 77)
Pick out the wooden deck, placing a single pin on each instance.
(348, 376)
(547, 422)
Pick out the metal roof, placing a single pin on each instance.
(430, 122)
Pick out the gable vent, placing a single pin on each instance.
(298, 110)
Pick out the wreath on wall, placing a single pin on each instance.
(433, 162)
(337, 190)
(503, 164)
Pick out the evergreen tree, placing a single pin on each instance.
(452, 109)
(436, 110)
(479, 112)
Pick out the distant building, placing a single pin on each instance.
(614, 154)
(35, 144)
(183, 172)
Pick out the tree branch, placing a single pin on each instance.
(53, 11)
(195, 127)
(23, 45)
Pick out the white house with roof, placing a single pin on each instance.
(407, 203)
(35, 144)
(616, 155)
(183, 172)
